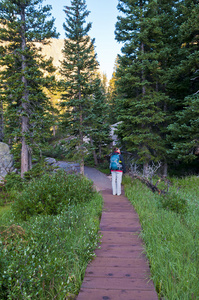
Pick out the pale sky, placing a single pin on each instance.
(103, 16)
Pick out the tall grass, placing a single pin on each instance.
(3, 210)
(45, 257)
(171, 238)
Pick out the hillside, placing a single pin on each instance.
(54, 50)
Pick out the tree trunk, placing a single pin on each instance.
(29, 159)
(145, 166)
(1, 122)
(25, 158)
(94, 152)
(54, 129)
(81, 136)
(150, 185)
(82, 167)
(165, 169)
(100, 151)
(145, 169)
(81, 147)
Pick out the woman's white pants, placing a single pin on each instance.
(116, 182)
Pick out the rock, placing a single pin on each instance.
(113, 134)
(6, 161)
(67, 166)
(50, 160)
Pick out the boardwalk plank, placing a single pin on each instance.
(117, 283)
(120, 270)
(122, 262)
(103, 294)
(123, 238)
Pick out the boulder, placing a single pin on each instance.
(50, 160)
(113, 133)
(6, 161)
(67, 166)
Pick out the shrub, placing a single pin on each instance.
(50, 194)
(13, 181)
(46, 257)
(174, 202)
(38, 170)
(58, 151)
(3, 197)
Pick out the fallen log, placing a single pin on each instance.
(153, 187)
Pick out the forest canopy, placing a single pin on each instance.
(153, 94)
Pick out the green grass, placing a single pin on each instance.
(171, 239)
(45, 257)
(3, 210)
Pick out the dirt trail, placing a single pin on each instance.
(100, 180)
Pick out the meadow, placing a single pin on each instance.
(170, 226)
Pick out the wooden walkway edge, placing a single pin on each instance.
(120, 270)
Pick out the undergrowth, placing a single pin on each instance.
(51, 194)
(45, 255)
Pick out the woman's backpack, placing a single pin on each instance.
(115, 163)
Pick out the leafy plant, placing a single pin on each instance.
(38, 169)
(45, 257)
(50, 194)
(58, 150)
(174, 202)
(13, 181)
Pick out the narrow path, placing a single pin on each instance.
(120, 270)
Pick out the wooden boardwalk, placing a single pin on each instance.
(120, 270)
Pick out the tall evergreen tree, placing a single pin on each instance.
(140, 81)
(185, 86)
(184, 136)
(98, 118)
(23, 23)
(157, 78)
(78, 68)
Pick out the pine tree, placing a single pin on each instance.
(185, 132)
(23, 23)
(184, 128)
(78, 68)
(157, 76)
(140, 82)
(98, 119)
